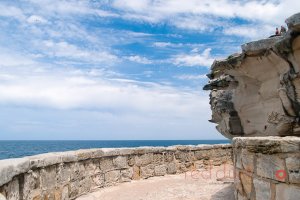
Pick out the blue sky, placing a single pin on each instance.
(116, 69)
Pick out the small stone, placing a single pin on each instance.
(262, 189)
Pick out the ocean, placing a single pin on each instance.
(17, 149)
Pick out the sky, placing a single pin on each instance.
(119, 69)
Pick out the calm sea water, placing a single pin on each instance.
(16, 149)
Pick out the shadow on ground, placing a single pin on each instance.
(226, 193)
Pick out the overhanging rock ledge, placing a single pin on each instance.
(257, 92)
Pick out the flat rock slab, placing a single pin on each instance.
(171, 187)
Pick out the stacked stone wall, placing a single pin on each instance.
(67, 175)
(267, 168)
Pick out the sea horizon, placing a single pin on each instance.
(21, 148)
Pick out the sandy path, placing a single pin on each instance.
(171, 187)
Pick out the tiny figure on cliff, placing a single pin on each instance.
(282, 30)
(277, 32)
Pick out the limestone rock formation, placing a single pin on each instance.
(257, 92)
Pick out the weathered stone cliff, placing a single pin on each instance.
(257, 92)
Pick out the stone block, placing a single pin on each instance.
(73, 189)
(147, 171)
(112, 177)
(168, 156)
(126, 175)
(293, 167)
(290, 145)
(120, 162)
(262, 189)
(238, 186)
(48, 195)
(160, 170)
(158, 158)
(92, 167)
(144, 159)
(74, 171)
(172, 168)
(31, 183)
(241, 197)
(136, 173)
(48, 177)
(106, 164)
(98, 180)
(237, 160)
(268, 165)
(185, 156)
(287, 192)
(12, 190)
(247, 160)
(199, 164)
(63, 173)
(65, 193)
(85, 185)
(246, 181)
(131, 160)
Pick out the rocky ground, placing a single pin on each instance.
(203, 184)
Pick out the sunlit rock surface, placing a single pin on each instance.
(257, 92)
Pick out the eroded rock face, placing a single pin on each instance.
(257, 92)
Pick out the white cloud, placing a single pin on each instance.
(206, 15)
(35, 19)
(190, 60)
(162, 44)
(11, 11)
(191, 77)
(8, 59)
(66, 90)
(139, 59)
(251, 31)
(66, 50)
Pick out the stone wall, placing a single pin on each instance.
(267, 168)
(68, 175)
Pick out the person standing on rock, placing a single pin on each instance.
(282, 30)
(277, 32)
